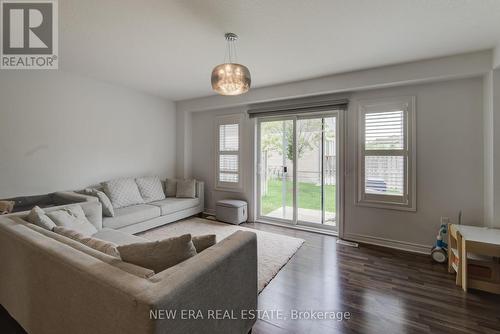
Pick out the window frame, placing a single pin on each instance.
(407, 202)
(222, 185)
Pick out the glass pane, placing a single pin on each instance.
(228, 137)
(384, 130)
(228, 163)
(384, 175)
(330, 170)
(309, 162)
(225, 177)
(276, 170)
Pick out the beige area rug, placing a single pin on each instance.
(273, 250)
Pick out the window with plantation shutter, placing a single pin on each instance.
(386, 153)
(228, 167)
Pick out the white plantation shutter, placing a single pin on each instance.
(228, 152)
(229, 137)
(384, 130)
(386, 153)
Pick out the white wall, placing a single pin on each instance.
(491, 116)
(60, 131)
(495, 109)
(183, 147)
(488, 152)
(203, 136)
(449, 163)
(437, 69)
(496, 57)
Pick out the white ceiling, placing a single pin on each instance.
(168, 48)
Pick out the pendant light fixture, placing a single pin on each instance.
(231, 78)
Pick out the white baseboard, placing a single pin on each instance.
(401, 245)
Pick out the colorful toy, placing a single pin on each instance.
(439, 252)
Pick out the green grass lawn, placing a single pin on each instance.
(309, 196)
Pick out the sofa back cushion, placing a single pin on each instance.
(123, 192)
(107, 207)
(171, 187)
(203, 242)
(100, 245)
(111, 260)
(150, 188)
(186, 189)
(159, 255)
(38, 217)
(73, 217)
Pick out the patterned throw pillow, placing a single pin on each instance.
(38, 217)
(171, 187)
(103, 246)
(186, 189)
(72, 217)
(123, 192)
(107, 207)
(150, 188)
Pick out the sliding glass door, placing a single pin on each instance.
(298, 170)
(276, 176)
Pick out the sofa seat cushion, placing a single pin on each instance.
(131, 215)
(172, 205)
(118, 237)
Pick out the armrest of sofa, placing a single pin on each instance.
(200, 188)
(222, 277)
(200, 194)
(70, 197)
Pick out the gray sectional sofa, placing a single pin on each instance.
(53, 284)
(142, 217)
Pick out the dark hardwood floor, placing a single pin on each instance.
(385, 291)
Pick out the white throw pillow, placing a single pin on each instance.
(171, 187)
(123, 192)
(186, 189)
(74, 218)
(103, 246)
(150, 188)
(38, 217)
(107, 207)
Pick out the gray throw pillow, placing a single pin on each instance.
(103, 246)
(107, 207)
(170, 187)
(38, 217)
(202, 242)
(150, 188)
(74, 218)
(123, 192)
(186, 189)
(158, 255)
